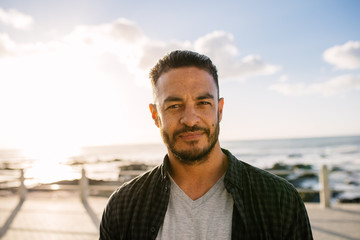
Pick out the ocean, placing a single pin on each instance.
(103, 162)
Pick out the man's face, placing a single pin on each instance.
(188, 113)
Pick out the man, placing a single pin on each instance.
(200, 191)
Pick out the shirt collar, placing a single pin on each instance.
(234, 172)
(232, 177)
(165, 167)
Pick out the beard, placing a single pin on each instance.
(194, 154)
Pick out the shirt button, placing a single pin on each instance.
(153, 229)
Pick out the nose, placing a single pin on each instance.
(190, 117)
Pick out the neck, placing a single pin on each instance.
(196, 179)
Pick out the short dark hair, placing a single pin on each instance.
(182, 58)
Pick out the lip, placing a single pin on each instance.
(191, 136)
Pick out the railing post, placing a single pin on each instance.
(22, 187)
(325, 191)
(84, 183)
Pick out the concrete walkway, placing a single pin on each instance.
(56, 215)
(61, 215)
(341, 221)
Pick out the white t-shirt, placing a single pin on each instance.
(208, 217)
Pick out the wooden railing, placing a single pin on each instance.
(325, 190)
(84, 187)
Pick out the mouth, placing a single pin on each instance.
(191, 136)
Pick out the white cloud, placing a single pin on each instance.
(125, 30)
(335, 86)
(220, 47)
(283, 78)
(16, 19)
(251, 65)
(138, 53)
(295, 89)
(345, 56)
(122, 31)
(7, 46)
(121, 38)
(218, 44)
(91, 76)
(154, 50)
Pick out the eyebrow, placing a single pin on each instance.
(205, 96)
(177, 99)
(172, 99)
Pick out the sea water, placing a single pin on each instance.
(103, 162)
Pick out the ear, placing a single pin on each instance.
(221, 105)
(154, 114)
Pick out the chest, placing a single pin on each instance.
(208, 217)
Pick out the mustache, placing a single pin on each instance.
(187, 129)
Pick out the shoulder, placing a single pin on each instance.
(131, 202)
(266, 179)
(268, 203)
(127, 200)
(137, 186)
(250, 178)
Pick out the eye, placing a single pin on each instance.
(204, 103)
(173, 106)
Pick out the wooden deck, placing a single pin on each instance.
(62, 215)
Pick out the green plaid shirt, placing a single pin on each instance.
(265, 206)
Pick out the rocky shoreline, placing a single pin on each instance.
(345, 185)
(304, 176)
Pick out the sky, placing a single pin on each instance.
(75, 73)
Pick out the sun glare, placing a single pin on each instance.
(49, 162)
(49, 172)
